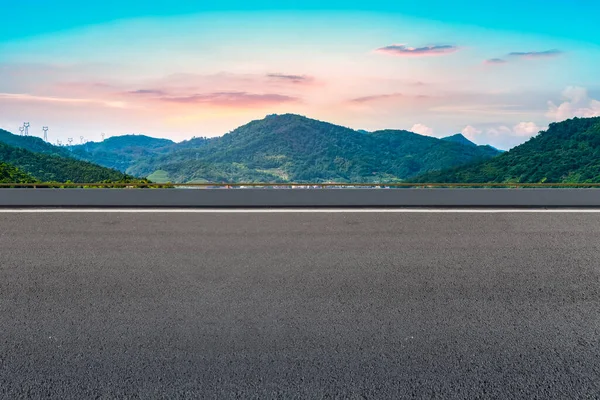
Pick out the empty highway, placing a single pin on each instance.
(299, 305)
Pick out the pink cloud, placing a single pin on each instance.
(368, 99)
(233, 99)
(295, 79)
(147, 92)
(28, 98)
(186, 85)
(422, 129)
(388, 97)
(219, 90)
(405, 51)
(84, 85)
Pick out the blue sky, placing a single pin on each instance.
(496, 72)
(571, 19)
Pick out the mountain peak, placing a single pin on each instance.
(459, 138)
(133, 140)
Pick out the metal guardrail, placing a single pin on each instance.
(300, 185)
(294, 198)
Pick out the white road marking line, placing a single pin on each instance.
(294, 210)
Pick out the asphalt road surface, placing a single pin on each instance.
(299, 305)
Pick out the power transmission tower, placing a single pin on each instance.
(45, 129)
(26, 126)
(81, 138)
(21, 130)
(103, 135)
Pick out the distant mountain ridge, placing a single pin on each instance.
(567, 152)
(33, 144)
(120, 152)
(31, 158)
(293, 148)
(278, 148)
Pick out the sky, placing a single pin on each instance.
(498, 73)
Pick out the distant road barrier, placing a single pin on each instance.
(326, 197)
(298, 185)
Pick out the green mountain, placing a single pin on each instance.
(120, 152)
(568, 152)
(10, 174)
(292, 148)
(53, 168)
(33, 144)
(459, 138)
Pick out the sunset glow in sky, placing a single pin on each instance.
(177, 69)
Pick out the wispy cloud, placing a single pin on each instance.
(377, 97)
(151, 92)
(233, 99)
(50, 99)
(84, 85)
(298, 79)
(495, 61)
(404, 51)
(536, 54)
(389, 97)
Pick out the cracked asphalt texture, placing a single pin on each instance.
(299, 305)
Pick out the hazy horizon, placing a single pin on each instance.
(178, 69)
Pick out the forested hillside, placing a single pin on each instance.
(52, 168)
(32, 143)
(290, 147)
(120, 152)
(278, 148)
(568, 151)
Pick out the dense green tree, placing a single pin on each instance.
(10, 174)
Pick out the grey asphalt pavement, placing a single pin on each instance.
(312, 305)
